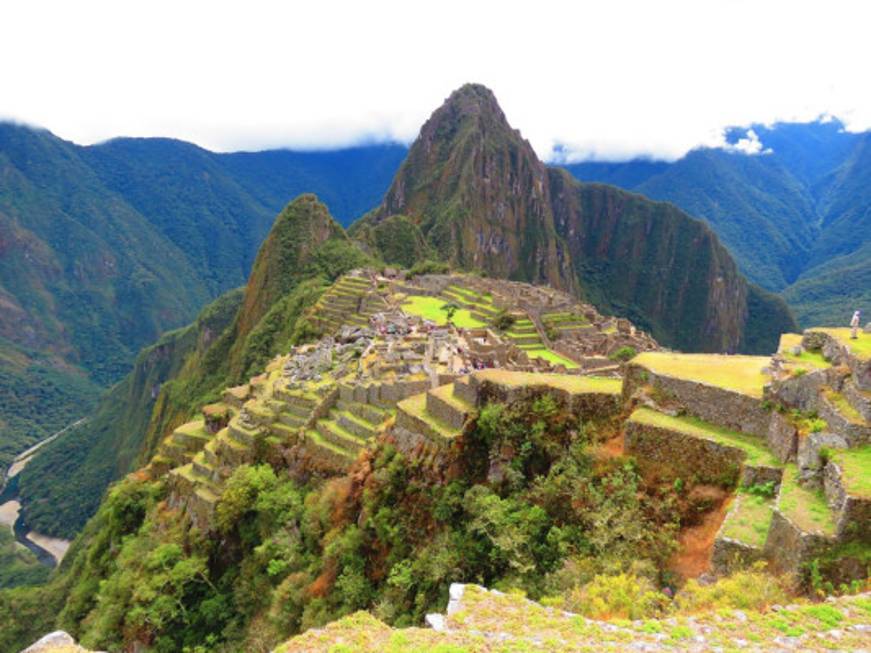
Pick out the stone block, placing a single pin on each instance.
(671, 454)
(788, 547)
(730, 555)
(782, 437)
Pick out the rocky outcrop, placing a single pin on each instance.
(56, 642)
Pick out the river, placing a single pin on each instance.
(48, 550)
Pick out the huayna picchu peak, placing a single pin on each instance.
(484, 202)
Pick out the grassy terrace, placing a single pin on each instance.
(806, 508)
(446, 394)
(196, 429)
(861, 347)
(430, 308)
(757, 452)
(808, 359)
(571, 384)
(855, 465)
(550, 357)
(748, 520)
(416, 407)
(315, 438)
(741, 374)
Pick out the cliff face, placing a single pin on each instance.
(484, 201)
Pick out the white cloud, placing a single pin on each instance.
(611, 79)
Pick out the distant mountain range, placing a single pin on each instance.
(796, 216)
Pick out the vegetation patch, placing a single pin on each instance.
(432, 309)
(737, 373)
(567, 382)
(749, 519)
(855, 467)
(806, 508)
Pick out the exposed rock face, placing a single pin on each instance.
(484, 201)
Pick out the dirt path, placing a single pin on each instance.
(697, 542)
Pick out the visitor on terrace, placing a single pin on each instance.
(854, 325)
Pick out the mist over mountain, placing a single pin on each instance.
(794, 215)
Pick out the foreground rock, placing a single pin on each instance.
(480, 620)
(56, 642)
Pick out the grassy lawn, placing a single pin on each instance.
(856, 467)
(196, 429)
(757, 452)
(430, 308)
(569, 383)
(807, 508)
(749, 519)
(737, 373)
(551, 357)
(861, 347)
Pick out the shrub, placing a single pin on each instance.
(504, 321)
(623, 354)
(626, 596)
(745, 590)
(428, 267)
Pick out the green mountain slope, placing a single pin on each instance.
(795, 217)
(484, 201)
(230, 340)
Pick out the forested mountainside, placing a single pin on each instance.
(795, 215)
(104, 248)
(482, 200)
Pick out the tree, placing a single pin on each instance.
(450, 308)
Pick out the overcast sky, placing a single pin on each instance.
(609, 79)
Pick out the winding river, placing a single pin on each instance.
(48, 550)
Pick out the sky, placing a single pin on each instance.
(606, 80)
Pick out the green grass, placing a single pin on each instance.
(855, 466)
(806, 508)
(844, 407)
(430, 308)
(749, 519)
(569, 383)
(741, 374)
(316, 439)
(757, 452)
(861, 347)
(807, 358)
(551, 357)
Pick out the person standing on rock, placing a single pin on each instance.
(854, 325)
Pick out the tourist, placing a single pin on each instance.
(854, 325)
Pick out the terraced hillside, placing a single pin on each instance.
(405, 449)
